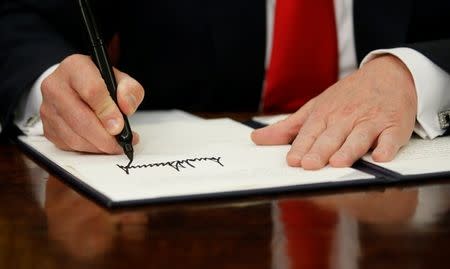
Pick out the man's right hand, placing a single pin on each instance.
(77, 111)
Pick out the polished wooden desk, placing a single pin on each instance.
(46, 224)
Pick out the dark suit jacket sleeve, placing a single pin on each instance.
(438, 51)
(420, 25)
(34, 35)
(428, 29)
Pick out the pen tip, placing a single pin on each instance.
(128, 149)
(130, 156)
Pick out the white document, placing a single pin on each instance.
(188, 158)
(160, 116)
(420, 156)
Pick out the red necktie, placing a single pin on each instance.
(304, 54)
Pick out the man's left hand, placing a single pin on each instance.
(375, 107)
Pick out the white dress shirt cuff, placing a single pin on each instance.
(27, 116)
(432, 87)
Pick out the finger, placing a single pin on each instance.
(285, 131)
(130, 93)
(358, 143)
(83, 121)
(70, 138)
(389, 143)
(51, 135)
(86, 80)
(306, 137)
(60, 134)
(136, 138)
(326, 145)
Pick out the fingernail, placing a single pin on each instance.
(293, 159)
(132, 101)
(380, 152)
(312, 157)
(112, 125)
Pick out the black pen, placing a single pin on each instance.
(101, 59)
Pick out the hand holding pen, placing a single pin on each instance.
(103, 63)
(79, 113)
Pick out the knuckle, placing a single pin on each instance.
(46, 86)
(334, 119)
(353, 114)
(73, 60)
(310, 104)
(292, 130)
(305, 141)
(351, 151)
(95, 92)
(298, 149)
(362, 135)
(345, 153)
(376, 110)
(310, 132)
(317, 115)
(44, 112)
(105, 109)
(349, 110)
(50, 88)
(389, 126)
(360, 147)
(397, 117)
(328, 139)
(388, 141)
(69, 60)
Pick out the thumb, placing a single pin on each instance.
(130, 93)
(282, 132)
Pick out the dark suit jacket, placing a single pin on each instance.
(202, 55)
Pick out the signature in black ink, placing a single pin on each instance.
(177, 164)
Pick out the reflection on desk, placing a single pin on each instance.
(44, 222)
